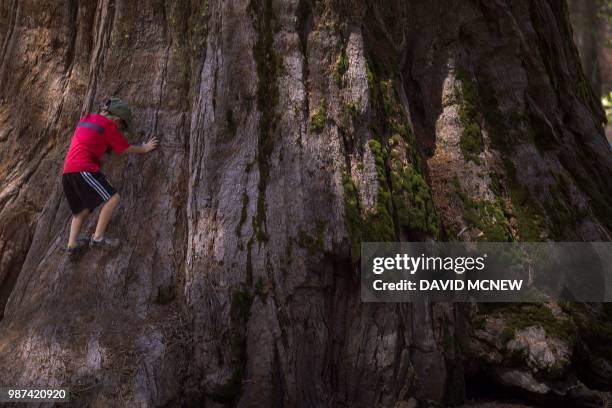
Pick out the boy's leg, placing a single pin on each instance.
(105, 215)
(75, 227)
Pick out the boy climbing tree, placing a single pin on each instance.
(84, 185)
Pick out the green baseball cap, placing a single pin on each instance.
(119, 108)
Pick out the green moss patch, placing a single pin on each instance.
(378, 224)
(352, 216)
(528, 213)
(313, 244)
(342, 65)
(532, 217)
(487, 216)
(319, 118)
(404, 200)
(471, 143)
(518, 316)
(240, 310)
(268, 67)
(412, 197)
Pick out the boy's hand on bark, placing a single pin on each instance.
(151, 145)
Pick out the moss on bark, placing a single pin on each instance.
(240, 310)
(342, 64)
(268, 66)
(404, 200)
(471, 136)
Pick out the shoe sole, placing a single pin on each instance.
(76, 257)
(83, 247)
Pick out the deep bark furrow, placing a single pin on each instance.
(291, 131)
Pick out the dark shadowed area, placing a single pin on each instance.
(291, 131)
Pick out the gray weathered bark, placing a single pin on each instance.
(290, 131)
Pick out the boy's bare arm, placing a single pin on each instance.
(145, 148)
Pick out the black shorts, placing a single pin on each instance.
(86, 190)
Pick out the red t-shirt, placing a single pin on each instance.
(93, 136)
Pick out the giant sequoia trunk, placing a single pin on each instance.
(589, 36)
(291, 131)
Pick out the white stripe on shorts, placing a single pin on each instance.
(95, 185)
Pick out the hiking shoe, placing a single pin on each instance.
(105, 243)
(75, 253)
